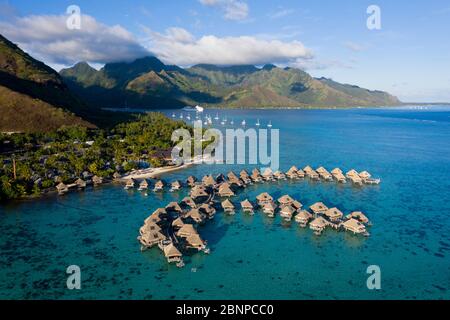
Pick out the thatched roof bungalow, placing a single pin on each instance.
(324, 174)
(311, 173)
(279, 175)
(172, 254)
(149, 227)
(207, 210)
(286, 212)
(191, 180)
(352, 172)
(143, 185)
(268, 174)
(174, 207)
(225, 190)
(365, 175)
(195, 242)
(264, 198)
(303, 218)
(256, 175)
(336, 171)
(358, 215)
(318, 225)
(130, 183)
(177, 223)
(354, 226)
(318, 208)
(188, 202)
(208, 181)
(334, 214)
(285, 200)
(186, 230)
(158, 216)
(194, 215)
(81, 184)
(355, 179)
(159, 186)
(292, 173)
(117, 176)
(175, 186)
(228, 206)
(247, 206)
(269, 209)
(150, 239)
(97, 180)
(62, 188)
(339, 177)
(199, 193)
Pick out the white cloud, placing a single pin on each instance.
(232, 9)
(178, 46)
(281, 13)
(47, 38)
(356, 47)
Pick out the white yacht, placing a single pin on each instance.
(270, 124)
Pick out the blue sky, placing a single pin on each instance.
(408, 57)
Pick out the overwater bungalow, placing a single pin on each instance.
(264, 198)
(268, 175)
(297, 205)
(355, 226)
(318, 225)
(228, 206)
(351, 173)
(355, 179)
(285, 200)
(186, 230)
(62, 188)
(225, 190)
(159, 186)
(269, 209)
(199, 193)
(174, 207)
(256, 176)
(324, 174)
(149, 227)
(367, 178)
(130, 183)
(97, 180)
(231, 175)
(191, 180)
(247, 207)
(243, 174)
(336, 170)
(318, 208)
(301, 174)
(150, 239)
(158, 216)
(177, 223)
(334, 214)
(143, 185)
(246, 180)
(338, 175)
(194, 241)
(358, 215)
(279, 175)
(194, 216)
(286, 212)
(364, 175)
(207, 210)
(81, 184)
(311, 173)
(208, 181)
(175, 186)
(303, 217)
(292, 173)
(172, 254)
(188, 202)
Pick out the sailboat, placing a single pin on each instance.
(257, 123)
(270, 124)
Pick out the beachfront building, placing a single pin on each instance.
(175, 186)
(130, 183)
(318, 208)
(287, 212)
(225, 190)
(117, 176)
(228, 206)
(334, 214)
(143, 185)
(62, 188)
(191, 180)
(318, 225)
(355, 226)
(97, 180)
(303, 217)
(247, 207)
(269, 209)
(81, 184)
(264, 198)
(159, 186)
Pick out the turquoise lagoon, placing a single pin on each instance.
(256, 257)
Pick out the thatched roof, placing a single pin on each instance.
(153, 237)
(186, 230)
(319, 207)
(246, 204)
(296, 204)
(61, 187)
(269, 207)
(195, 215)
(232, 175)
(334, 213)
(336, 171)
(189, 202)
(171, 251)
(285, 200)
(365, 175)
(174, 206)
(176, 184)
(287, 210)
(244, 173)
(264, 197)
(149, 227)
(130, 182)
(97, 180)
(208, 180)
(225, 190)
(159, 184)
(156, 215)
(303, 215)
(358, 215)
(255, 172)
(292, 170)
(207, 209)
(80, 183)
(308, 169)
(227, 204)
(278, 174)
(195, 241)
(354, 225)
(198, 191)
(144, 183)
(178, 223)
(352, 172)
(319, 223)
(321, 170)
(267, 173)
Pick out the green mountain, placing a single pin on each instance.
(147, 82)
(33, 97)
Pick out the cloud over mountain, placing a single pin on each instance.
(178, 46)
(48, 38)
(232, 9)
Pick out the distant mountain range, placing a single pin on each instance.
(34, 97)
(148, 82)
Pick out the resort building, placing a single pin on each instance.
(177, 223)
(159, 186)
(149, 227)
(264, 198)
(324, 174)
(301, 174)
(269, 209)
(351, 173)
(303, 217)
(62, 188)
(285, 200)
(186, 230)
(334, 214)
(188, 202)
(318, 208)
(318, 225)
(338, 175)
(297, 205)
(268, 175)
(175, 186)
(365, 175)
(356, 180)
(256, 176)
(143, 185)
(81, 184)
(207, 210)
(279, 175)
(158, 216)
(208, 181)
(97, 180)
(355, 226)
(199, 193)
(174, 207)
(247, 207)
(172, 254)
(228, 206)
(358, 215)
(287, 212)
(194, 216)
(292, 173)
(231, 175)
(194, 241)
(311, 173)
(225, 190)
(191, 180)
(130, 183)
(150, 239)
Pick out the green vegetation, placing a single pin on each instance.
(71, 152)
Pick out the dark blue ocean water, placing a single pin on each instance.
(256, 257)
